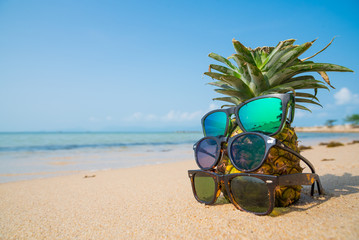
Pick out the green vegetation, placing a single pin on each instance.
(331, 144)
(353, 119)
(329, 123)
(302, 147)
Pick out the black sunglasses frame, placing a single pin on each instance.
(288, 103)
(271, 182)
(270, 142)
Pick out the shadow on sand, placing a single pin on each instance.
(334, 186)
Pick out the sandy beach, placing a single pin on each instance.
(156, 202)
(326, 129)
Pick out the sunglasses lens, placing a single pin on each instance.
(206, 153)
(250, 193)
(262, 115)
(247, 152)
(204, 186)
(215, 124)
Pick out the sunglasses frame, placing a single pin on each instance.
(270, 142)
(288, 103)
(271, 182)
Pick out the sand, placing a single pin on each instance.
(333, 129)
(156, 202)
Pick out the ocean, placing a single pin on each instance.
(36, 155)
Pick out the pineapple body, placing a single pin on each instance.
(265, 70)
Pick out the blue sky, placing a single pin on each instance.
(138, 65)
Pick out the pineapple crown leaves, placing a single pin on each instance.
(267, 70)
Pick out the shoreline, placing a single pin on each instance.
(156, 201)
(66, 162)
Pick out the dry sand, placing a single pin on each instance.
(156, 202)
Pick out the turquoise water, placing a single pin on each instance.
(15, 142)
(315, 138)
(35, 155)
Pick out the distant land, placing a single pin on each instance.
(335, 128)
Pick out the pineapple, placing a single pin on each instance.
(267, 70)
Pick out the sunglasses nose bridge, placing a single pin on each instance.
(230, 112)
(223, 139)
(221, 184)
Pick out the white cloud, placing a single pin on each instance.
(151, 117)
(97, 119)
(93, 119)
(171, 116)
(344, 96)
(135, 116)
(213, 106)
(182, 116)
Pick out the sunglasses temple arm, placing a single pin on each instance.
(310, 165)
(284, 147)
(319, 186)
(302, 179)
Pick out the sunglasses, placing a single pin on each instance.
(253, 193)
(266, 114)
(247, 151)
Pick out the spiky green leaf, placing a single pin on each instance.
(305, 100)
(233, 93)
(306, 95)
(288, 58)
(235, 82)
(228, 106)
(278, 53)
(260, 55)
(224, 70)
(222, 60)
(300, 78)
(318, 52)
(242, 67)
(233, 100)
(274, 55)
(242, 51)
(291, 71)
(258, 83)
(221, 85)
(302, 107)
(278, 90)
(325, 77)
(304, 84)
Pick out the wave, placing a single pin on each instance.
(82, 146)
(53, 142)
